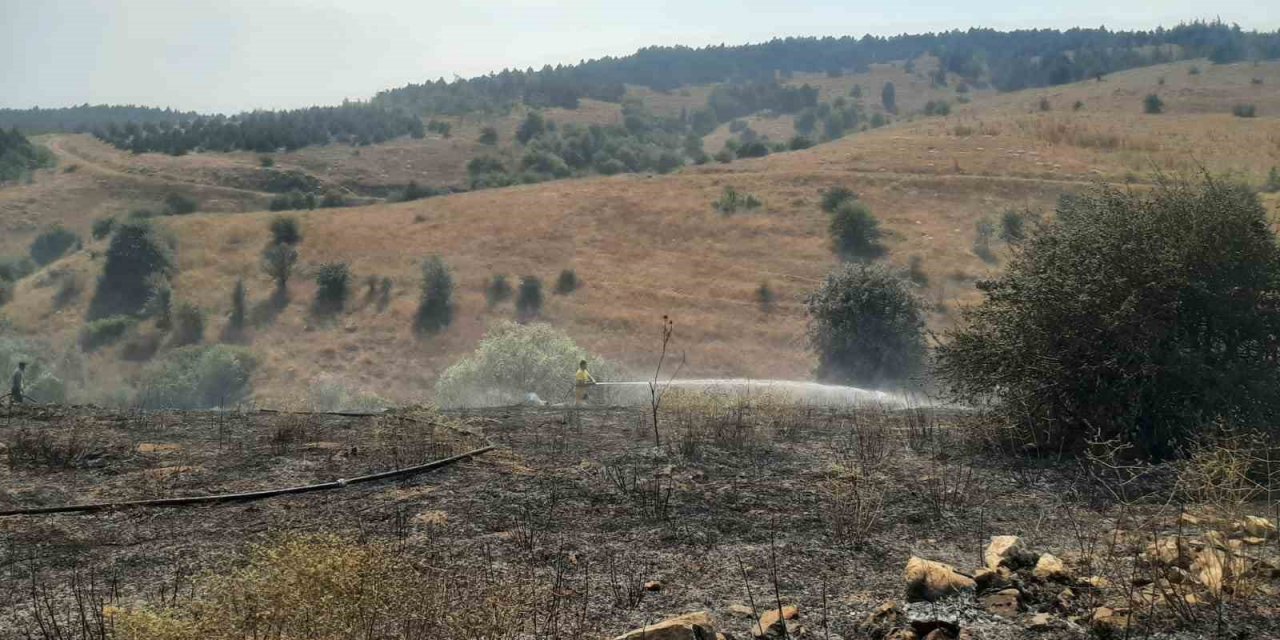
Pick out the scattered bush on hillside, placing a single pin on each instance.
(239, 308)
(799, 143)
(1077, 106)
(333, 280)
(1156, 310)
(529, 298)
(176, 204)
(937, 108)
(731, 201)
(1194, 70)
(277, 262)
(984, 231)
(753, 149)
(866, 327)
(1255, 81)
(435, 310)
(1152, 104)
(531, 127)
(1244, 111)
(160, 305)
(1013, 226)
(11, 271)
(856, 91)
(834, 197)
(765, 297)
(266, 162)
(1044, 105)
(188, 325)
(889, 98)
(138, 260)
(441, 127)
(52, 244)
(197, 377)
(285, 230)
(19, 157)
(102, 227)
(414, 191)
(99, 333)
(513, 360)
(915, 272)
(567, 282)
(1273, 181)
(497, 290)
(489, 136)
(855, 232)
(333, 200)
(293, 200)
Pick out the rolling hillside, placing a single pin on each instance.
(644, 245)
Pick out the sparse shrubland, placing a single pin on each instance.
(866, 327)
(100, 333)
(732, 201)
(1155, 310)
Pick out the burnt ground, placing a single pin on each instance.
(752, 506)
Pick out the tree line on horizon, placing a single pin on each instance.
(1007, 61)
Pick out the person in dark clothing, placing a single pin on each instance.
(15, 384)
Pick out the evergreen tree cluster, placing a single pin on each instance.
(18, 156)
(265, 131)
(85, 117)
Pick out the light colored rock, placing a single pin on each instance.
(690, 626)
(772, 621)
(1169, 551)
(741, 611)
(930, 581)
(1049, 567)
(1257, 527)
(653, 585)
(988, 580)
(1106, 620)
(1040, 622)
(1008, 551)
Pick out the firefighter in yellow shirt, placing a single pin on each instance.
(581, 382)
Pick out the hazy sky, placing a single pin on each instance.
(233, 55)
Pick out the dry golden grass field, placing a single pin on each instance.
(644, 245)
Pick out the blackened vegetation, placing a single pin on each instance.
(1139, 317)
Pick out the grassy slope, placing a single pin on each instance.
(649, 245)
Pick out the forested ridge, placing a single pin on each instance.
(747, 75)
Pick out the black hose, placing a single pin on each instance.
(252, 495)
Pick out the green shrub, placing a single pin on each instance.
(160, 306)
(1244, 111)
(1044, 105)
(855, 233)
(52, 244)
(731, 201)
(937, 108)
(102, 227)
(511, 361)
(277, 262)
(137, 260)
(489, 136)
(188, 325)
(1013, 227)
(197, 377)
(1194, 70)
(915, 272)
(285, 230)
(866, 327)
(333, 280)
(239, 307)
(765, 297)
(497, 290)
(176, 204)
(435, 310)
(13, 269)
(100, 333)
(266, 162)
(531, 127)
(333, 200)
(567, 282)
(799, 143)
(1138, 315)
(1152, 104)
(529, 298)
(984, 231)
(834, 197)
(1273, 181)
(1077, 106)
(753, 149)
(889, 98)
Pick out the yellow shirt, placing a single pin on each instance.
(583, 377)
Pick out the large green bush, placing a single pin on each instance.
(333, 282)
(435, 309)
(866, 327)
(855, 233)
(513, 360)
(137, 259)
(100, 333)
(52, 244)
(198, 377)
(1144, 316)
